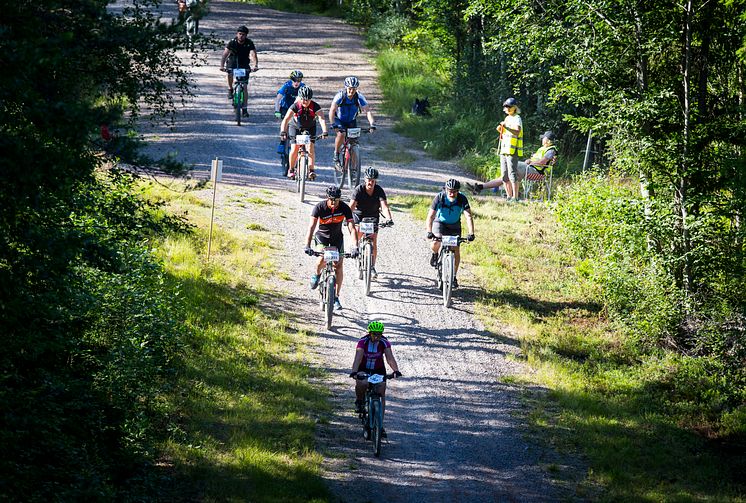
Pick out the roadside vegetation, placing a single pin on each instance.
(627, 302)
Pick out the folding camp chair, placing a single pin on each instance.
(544, 182)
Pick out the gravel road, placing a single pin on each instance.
(455, 431)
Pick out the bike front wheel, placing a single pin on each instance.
(376, 427)
(339, 169)
(330, 287)
(301, 175)
(447, 274)
(354, 166)
(367, 264)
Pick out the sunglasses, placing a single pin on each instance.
(335, 199)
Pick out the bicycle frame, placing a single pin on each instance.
(372, 416)
(368, 227)
(328, 281)
(447, 265)
(350, 158)
(240, 90)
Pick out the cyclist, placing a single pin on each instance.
(539, 164)
(286, 96)
(444, 217)
(343, 112)
(330, 215)
(366, 202)
(301, 116)
(369, 354)
(239, 53)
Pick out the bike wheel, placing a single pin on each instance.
(367, 264)
(376, 418)
(331, 283)
(339, 178)
(447, 277)
(237, 113)
(354, 166)
(301, 175)
(285, 160)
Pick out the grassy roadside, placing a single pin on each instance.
(247, 408)
(604, 401)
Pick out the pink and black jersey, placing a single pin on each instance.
(373, 355)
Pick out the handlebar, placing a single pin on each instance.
(321, 136)
(361, 376)
(362, 130)
(230, 70)
(460, 239)
(315, 253)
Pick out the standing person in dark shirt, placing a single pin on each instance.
(239, 53)
(330, 215)
(366, 202)
(302, 116)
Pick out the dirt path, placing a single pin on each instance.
(454, 429)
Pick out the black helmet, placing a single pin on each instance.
(333, 192)
(548, 135)
(305, 93)
(510, 102)
(453, 184)
(371, 173)
(296, 75)
(243, 29)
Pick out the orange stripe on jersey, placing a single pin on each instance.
(333, 219)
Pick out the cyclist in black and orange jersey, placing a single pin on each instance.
(330, 215)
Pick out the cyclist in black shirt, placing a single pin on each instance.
(330, 215)
(366, 202)
(239, 53)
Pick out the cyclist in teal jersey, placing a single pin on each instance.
(444, 218)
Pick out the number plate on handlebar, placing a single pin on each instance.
(367, 227)
(239, 72)
(331, 254)
(353, 132)
(303, 139)
(449, 240)
(375, 379)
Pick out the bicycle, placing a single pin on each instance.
(367, 227)
(302, 163)
(372, 415)
(328, 280)
(350, 165)
(447, 265)
(240, 89)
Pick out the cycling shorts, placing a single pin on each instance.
(440, 229)
(345, 125)
(293, 131)
(319, 244)
(357, 219)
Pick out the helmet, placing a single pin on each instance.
(510, 102)
(352, 82)
(305, 93)
(548, 135)
(453, 184)
(243, 29)
(296, 75)
(375, 326)
(333, 192)
(371, 173)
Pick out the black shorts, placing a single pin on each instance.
(440, 229)
(321, 243)
(293, 131)
(357, 219)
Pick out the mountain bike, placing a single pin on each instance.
(372, 415)
(303, 161)
(240, 89)
(350, 155)
(367, 227)
(447, 265)
(328, 280)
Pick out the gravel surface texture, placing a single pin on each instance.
(455, 431)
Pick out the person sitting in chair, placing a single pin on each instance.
(534, 168)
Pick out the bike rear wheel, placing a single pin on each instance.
(367, 264)
(447, 273)
(376, 417)
(301, 174)
(330, 285)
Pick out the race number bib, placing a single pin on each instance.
(331, 254)
(353, 132)
(239, 72)
(449, 240)
(303, 139)
(375, 379)
(367, 227)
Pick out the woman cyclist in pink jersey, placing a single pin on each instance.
(369, 355)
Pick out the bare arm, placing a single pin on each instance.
(369, 114)
(311, 228)
(385, 206)
(253, 59)
(323, 124)
(332, 112)
(469, 222)
(429, 221)
(226, 53)
(286, 121)
(278, 99)
(353, 205)
(390, 359)
(358, 359)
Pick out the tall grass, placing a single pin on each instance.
(606, 400)
(247, 404)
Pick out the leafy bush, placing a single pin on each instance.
(387, 30)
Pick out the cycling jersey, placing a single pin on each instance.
(373, 354)
(289, 95)
(449, 212)
(368, 206)
(305, 118)
(347, 109)
(239, 53)
(331, 221)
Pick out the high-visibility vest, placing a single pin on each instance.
(515, 146)
(539, 155)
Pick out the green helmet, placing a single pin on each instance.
(375, 326)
